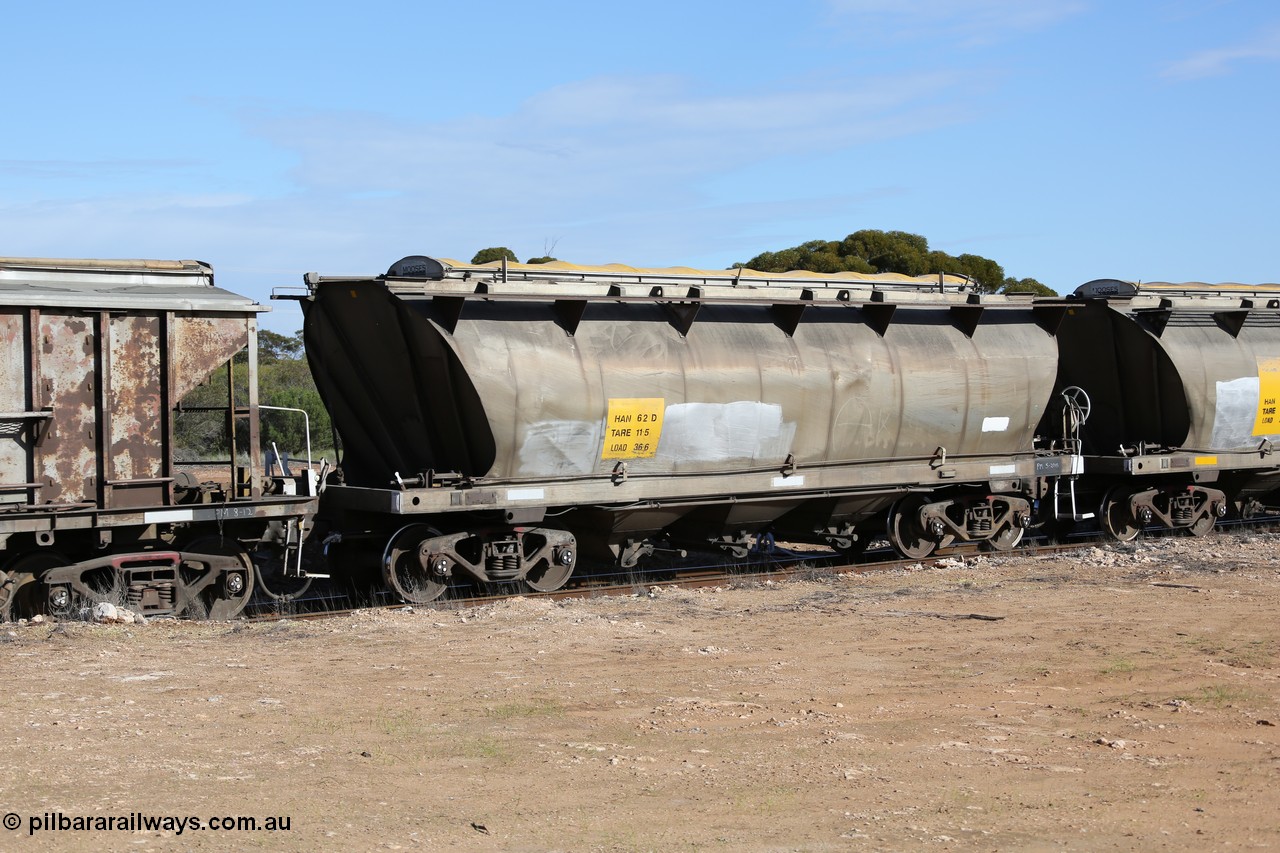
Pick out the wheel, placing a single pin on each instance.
(907, 536)
(23, 593)
(857, 547)
(275, 585)
(1202, 525)
(403, 571)
(553, 574)
(850, 545)
(218, 595)
(1007, 539)
(1117, 521)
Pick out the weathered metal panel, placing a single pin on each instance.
(1231, 382)
(67, 460)
(136, 444)
(118, 285)
(201, 346)
(510, 395)
(1133, 388)
(738, 393)
(1196, 372)
(15, 430)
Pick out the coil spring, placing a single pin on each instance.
(154, 596)
(980, 519)
(1182, 513)
(503, 565)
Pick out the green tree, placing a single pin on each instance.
(284, 380)
(273, 346)
(288, 384)
(1027, 285)
(874, 251)
(863, 251)
(815, 256)
(889, 251)
(200, 423)
(987, 273)
(784, 261)
(494, 253)
(545, 259)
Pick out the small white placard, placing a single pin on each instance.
(166, 515)
(525, 494)
(788, 482)
(995, 424)
(998, 470)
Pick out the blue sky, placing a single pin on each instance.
(1065, 139)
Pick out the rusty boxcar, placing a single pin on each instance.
(497, 419)
(95, 360)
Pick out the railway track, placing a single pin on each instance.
(793, 565)
(321, 602)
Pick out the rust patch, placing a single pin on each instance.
(201, 346)
(67, 464)
(133, 410)
(15, 450)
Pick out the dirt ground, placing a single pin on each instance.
(1119, 698)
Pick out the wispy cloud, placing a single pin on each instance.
(620, 168)
(596, 137)
(974, 21)
(1223, 60)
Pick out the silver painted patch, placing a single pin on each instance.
(995, 424)
(722, 432)
(558, 448)
(1235, 410)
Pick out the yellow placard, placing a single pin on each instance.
(1206, 460)
(632, 427)
(1267, 423)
